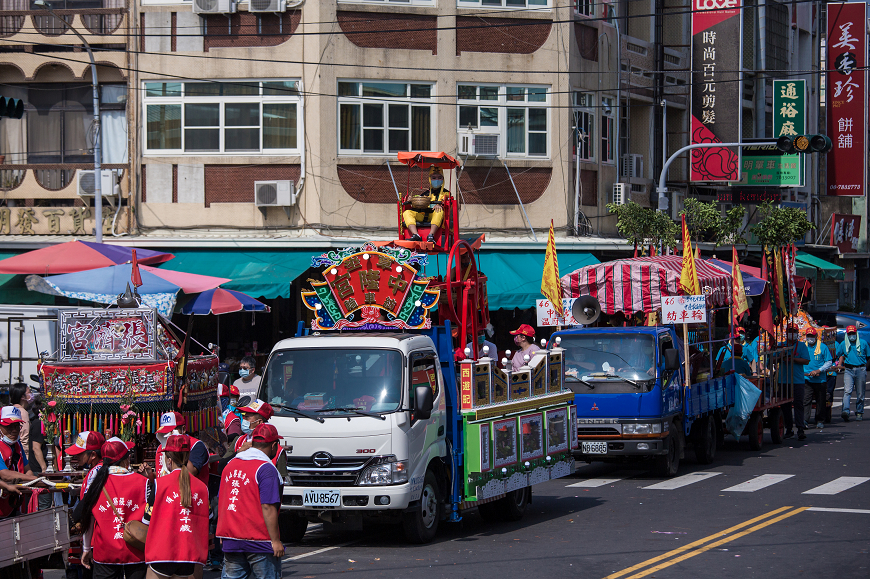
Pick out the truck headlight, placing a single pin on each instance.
(642, 428)
(386, 471)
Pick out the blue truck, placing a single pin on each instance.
(632, 399)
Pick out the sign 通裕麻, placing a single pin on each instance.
(789, 108)
(716, 88)
(684, 309)
(846, 97)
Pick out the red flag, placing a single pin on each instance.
(765, 313)
(135, 276)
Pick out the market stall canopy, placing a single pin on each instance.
(75, 256)
(753, 284)
(221, 301)
(816, 267)
(514, 277)
(263, 274)
(638, 284)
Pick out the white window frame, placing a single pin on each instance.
(504, 105)
(585, 7)
(429, 3)
(584, 111)
(504, 4)
(408, 100)
(608, 126)
(222, 127)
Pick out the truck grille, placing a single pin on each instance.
(341, 472)
(597, 431)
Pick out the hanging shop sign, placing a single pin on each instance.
(844, 232)
(789, 108)
(716, 88)
(846, 97)
(370, 288)
(767, 166)
(117, 336)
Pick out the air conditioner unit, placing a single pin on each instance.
(267, 5)
(214, 6)
(478, 145)
(86, 183)
(632, 166)
(620, 194)
(275, 194)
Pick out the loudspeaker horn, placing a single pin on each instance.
(586, 310)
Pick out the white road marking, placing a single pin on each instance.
(592, 483)
(318, 551)
(837, 485)
(682, 481)
(759, 483)
(833, 510)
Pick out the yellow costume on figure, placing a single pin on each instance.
(435, 215)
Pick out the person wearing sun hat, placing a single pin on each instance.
(115, 497)
(248, 526)
(13, 459)
(852, 354)
(524, 338)
(437, 194)
(817, 376)
(175, 423)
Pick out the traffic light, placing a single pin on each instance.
(804, 144)
(12, 108)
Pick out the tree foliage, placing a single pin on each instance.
(706, 222)
(780, 225)
(642, 226)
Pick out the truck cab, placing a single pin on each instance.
(628, 391)
(363, 416)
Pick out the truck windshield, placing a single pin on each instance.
(609, 363)
(332, 382)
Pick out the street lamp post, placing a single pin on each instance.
(98, 151)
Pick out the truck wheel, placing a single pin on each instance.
(490, 512)
(668, 464)
(776, 420)
(513, 506)
(291, 526)
(755, 430)
(705, 440)
(422, 523)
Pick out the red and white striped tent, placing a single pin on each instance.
(638, 284)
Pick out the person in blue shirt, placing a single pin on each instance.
(794, 374)
(817, 376)
(741, 366)
(749, 349)
(852, 353)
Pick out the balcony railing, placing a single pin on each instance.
(98, 17)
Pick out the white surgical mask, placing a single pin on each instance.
(853, 337)
(811, 341)
(8, 440)
(246, 427)
(243, 372)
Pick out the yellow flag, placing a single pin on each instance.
(780, 286)
(550, 285)
(689, 275)
(738, 292)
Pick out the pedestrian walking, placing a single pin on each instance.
(794, 374)
(816, 372)
(115, 497)
(250, 499)
(177, 516)
(852, 353)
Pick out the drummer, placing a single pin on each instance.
(438, 193)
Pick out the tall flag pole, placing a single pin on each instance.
(689, 275)
(739, 304)
(550, 285)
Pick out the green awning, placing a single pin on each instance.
(514, 277)
(14, 292)
(260, 274)
(814, 267)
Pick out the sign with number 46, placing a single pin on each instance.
(684, 309)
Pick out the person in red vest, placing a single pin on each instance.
(175, 423)
(116, 495)
(250, 499)
(254, 414)
(230, 421)
(86, 453)
(13, 459)
(177, 516)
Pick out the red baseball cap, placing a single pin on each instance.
(259, 407)
(10, 415)
(169, 421)
(525, 330)
(116, 449)
(812, 332)
(86, 440)
(266, 433)
(177, 443)
(851, 330)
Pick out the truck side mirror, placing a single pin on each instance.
(672, 359)
(423, 402)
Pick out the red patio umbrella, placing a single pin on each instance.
(76, 256)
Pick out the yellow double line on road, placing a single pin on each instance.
(703, 545)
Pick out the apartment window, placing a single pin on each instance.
(241, 117)
(505, 3)
(584, 125)
(607, 124)
(518, 114)
(585, 7)
(391, 2)
(377, 118)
